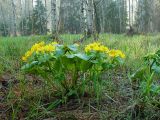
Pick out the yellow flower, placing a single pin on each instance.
(96, 46)
(49, 48)
(39, 48)
(42, 43)
(112, 53)
(105, 49)
(36, 47)
(24, 58)
(28, 54)
(116, 53)
(87, 49)
(120, 54)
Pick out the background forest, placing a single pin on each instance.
(31, 17)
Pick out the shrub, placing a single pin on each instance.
(69, 70)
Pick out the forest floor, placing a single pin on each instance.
(22, 97)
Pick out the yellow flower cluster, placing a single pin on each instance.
(96, 47)
(40, 48)
(101, 48)
(116, 53)
(26, 56)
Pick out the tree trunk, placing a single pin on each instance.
(129, 12)
(96, 21)
(45, 2)
(4, 22)
(120, 21)
(53, 14)
(103, 18)
(22, 24)
(89, 17)
(14, 27)
(32, 18)
(58, 6)
(83, 16)
(55, 17)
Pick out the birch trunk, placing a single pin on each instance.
(89, 17)
(119, 9)
(103, 19)
(55, 15)
(14, 29)
(132, 12)
(129, 13)
(58, 6)
(83, 16)
(22, 24)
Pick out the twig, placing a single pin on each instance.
(93, 108)
(111, 98)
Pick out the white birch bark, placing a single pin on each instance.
(58, 6)
(90, 17)
(129, 4)
(103, 18)
(55, 14)
(14, 27)
(83, 16)
(22, 24)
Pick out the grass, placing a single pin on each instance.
(23, 96)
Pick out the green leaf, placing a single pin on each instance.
(73, 47)
(59, 52)
(85, 65)
(70, 55)
(82, 56)
(80, 60)
(107, 66)
(155, 89)
(68, 62)
(26, 66)
(156, 68)
(29, 65)
(57, 65)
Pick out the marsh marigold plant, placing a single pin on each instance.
(63, 66)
